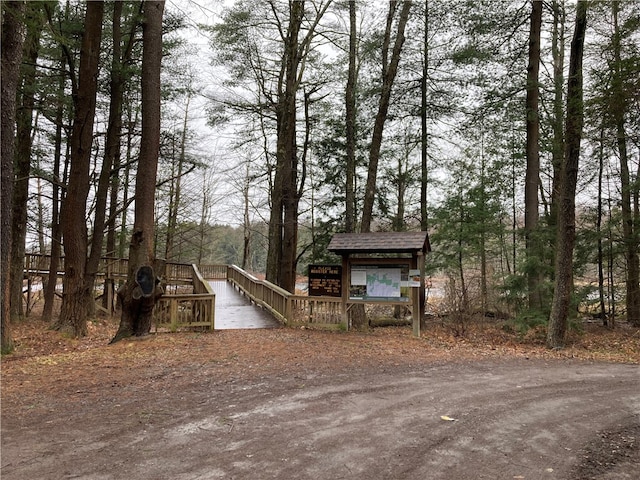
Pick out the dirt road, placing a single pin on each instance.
(498, 418)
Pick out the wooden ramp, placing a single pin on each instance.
(235, 311)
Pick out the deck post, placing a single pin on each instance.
(345, 290)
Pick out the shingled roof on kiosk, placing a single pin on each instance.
(380, 242)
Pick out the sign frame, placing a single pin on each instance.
(325, 280)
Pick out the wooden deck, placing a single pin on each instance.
(235, 311)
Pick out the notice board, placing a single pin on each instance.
(379, 282)
(325, 280)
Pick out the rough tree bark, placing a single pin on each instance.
(282, 223)
(566, 228)
(74, 310)
(288, 148)
(532, 176)
(557, 152)
(142, 288)
(629, 226)
(285, 195)
(22, 160)
(350, 125)
(112, 145)
(12, 40)
(57, 195)
(389, 70)
(424, 133)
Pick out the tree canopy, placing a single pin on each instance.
(282, 123)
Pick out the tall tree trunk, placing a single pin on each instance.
(566, 230)
(358, 316)
(514, 211)
(12, 41)
(74, 310)
(139, 294)
(484, 289)
(599, 213)
(285, 194)
(611, 260)
(113, 151)
(629, 227)
(558, 50)
(532, 177)
(424, 133)
(287, 149)
(246, 221)
(350, 125)
(56, 234)
(464, 305)
(274, 255)
(424, 143)
(112, 148)
(57, 196)
(133, 113)
(22, 160)
(283, 224)
(112, 145)
(389, 70)
(174, 206)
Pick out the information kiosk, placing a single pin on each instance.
(383, 267)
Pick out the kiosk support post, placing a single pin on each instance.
(417, 294)
(346, 279)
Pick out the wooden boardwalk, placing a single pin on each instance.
(215, 300)
(235, 311)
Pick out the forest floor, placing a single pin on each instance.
(306, 404)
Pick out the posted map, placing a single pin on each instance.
(383, 282)
(379, 283)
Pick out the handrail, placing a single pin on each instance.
(269, 296)
(185, 310)
(213, 272)
(195, 309)
(320, 311)
(290, 309)
(198, 308)
(200, 285)
(111, 267)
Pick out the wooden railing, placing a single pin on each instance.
(109, 267)
(290, 309)
(112, 267)
(213, 272)
(197, 309)
(177, 272)
(189, 310)
(262, 293)
(39, 264)
(200, 285)
(185, 311)
(322, 312)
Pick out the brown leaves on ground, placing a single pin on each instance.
(47, 363)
